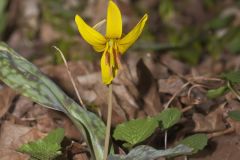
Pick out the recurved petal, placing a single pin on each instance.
(90, 35)
(114, 21)
(132, 36)
(107, 75)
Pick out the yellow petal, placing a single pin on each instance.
(132, 36)
(90, 35)
(114, 21)
(107, 75)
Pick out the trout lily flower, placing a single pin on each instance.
(112, 45)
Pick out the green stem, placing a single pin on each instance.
(235, 92)
(109, 119)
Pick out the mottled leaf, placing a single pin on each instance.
(23, 76)
(148, 153)
(135, 131)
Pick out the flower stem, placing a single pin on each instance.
(109, 119)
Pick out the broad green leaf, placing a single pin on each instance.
(169, 117)
(235, 115)
(24, 77)
(148, 153)
(56, 136)
(233, 76)
(196, 141)
(135, 131)
(214, 93)
(46, 148)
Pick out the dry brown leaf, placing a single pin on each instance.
(220, 148)
(6, 97)
(175, 65)
(7, 154)
(22, 106)
(171, 85)
(10, 133)
(211, 123)
(32, 135)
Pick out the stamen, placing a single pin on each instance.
(117, 56)
(107, 58)
(106, 54)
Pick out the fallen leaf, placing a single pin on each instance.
(6, 139)
(6, 97)
(213, 122)
(223, 147)
(171, 85)
(22, 106)
(7, 154)
(32, 135)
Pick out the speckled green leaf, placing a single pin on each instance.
(23, 76)
(148, 153)
(47, 148)
(196, 141)
(169, 117)
(135, 131)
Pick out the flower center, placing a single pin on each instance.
(112, 54)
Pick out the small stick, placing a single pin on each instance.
(70, 76)
(168, 104)
(187, 108)
(220, 133)
(175, 94)
(235, 92)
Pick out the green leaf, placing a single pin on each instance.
(196, 141)
(214, 93)
(26, 78)
(235, 115)
(233, 41)
(148, 153)
(220, 22)
(135, 131)
(46, 148)
(56, 136)
(233, 76)
(169, 117)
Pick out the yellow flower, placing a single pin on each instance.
(112, 44)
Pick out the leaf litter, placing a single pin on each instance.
(147, 83)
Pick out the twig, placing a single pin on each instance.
(167, 105)
(216, 134)
(175, 94)
(235, 92)
(165, 139)
(70, 76)
(187, 108)
(109, 119)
